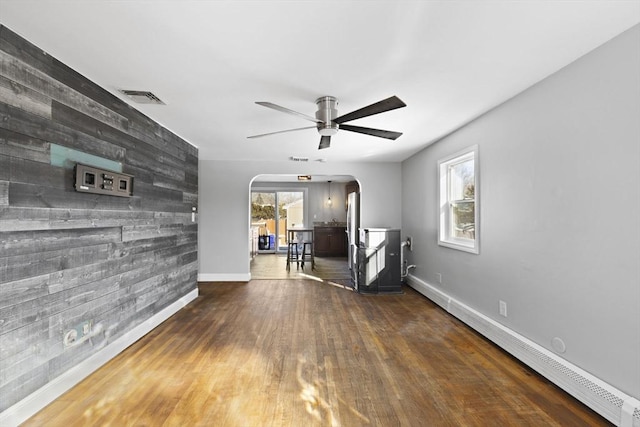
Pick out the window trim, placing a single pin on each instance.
(445, 238)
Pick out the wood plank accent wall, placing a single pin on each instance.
(68, 257)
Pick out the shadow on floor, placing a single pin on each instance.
(274, 266)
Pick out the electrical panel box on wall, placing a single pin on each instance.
(90, 179)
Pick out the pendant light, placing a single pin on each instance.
(329, 199)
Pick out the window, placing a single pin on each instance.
(459, 201)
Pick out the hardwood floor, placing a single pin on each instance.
(272, 266)
(302, 352)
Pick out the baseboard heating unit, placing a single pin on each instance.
(614, 405)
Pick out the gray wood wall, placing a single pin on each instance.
(67, 257)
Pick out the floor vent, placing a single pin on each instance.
(143, 97)
(611, 403)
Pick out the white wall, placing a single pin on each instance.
(560, 213)
(223, 206)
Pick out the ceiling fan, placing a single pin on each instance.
(328, 122)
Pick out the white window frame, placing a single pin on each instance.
(446, 236)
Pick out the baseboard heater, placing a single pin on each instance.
(614, 405)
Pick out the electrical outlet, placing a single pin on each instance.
(503, 308)
(77, 334)
(70, 337)
(439, 277)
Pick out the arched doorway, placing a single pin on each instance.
(279, 202)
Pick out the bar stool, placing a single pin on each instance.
(292, 255)
(307, 253)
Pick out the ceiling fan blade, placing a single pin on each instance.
(325, 142)
(388, 134)
(280, 131)
(288, 111)
(379, 107)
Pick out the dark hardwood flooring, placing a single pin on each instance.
(302, 352)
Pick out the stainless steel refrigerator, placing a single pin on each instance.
(353, 225)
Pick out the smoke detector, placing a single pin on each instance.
(298, 159)
(143, 97)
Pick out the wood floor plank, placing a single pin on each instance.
(301, 352)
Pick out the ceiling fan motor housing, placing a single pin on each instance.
(327, 112)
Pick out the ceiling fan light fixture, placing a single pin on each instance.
(327, 129)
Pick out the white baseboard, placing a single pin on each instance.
(614, 405)
(224, 277)
(37, 400)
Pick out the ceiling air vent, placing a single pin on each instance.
(143, 97)
(298, 159)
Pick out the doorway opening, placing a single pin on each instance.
(279, 203)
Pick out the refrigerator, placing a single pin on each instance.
(353, 225)
(378, 261)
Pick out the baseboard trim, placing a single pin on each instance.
(212, 277)
(37, 400)
(614, 405)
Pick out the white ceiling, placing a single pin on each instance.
(449, 61)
